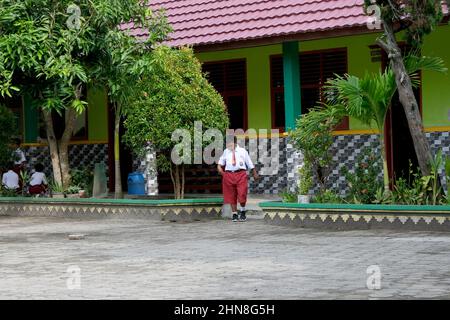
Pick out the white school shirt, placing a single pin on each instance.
(243, 160)
(37, 179)
(10, 180)
(20, 156)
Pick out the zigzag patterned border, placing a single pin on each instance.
(165, 213)
(354, 221)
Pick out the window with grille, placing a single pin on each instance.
(229, 78)
(316, 68)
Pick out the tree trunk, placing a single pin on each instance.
(182, 182)
(118, 193)
(407, 99)
(53, 146)
(385, 166)
(175, 177)
(177, 183)
(172, 178)
(59, 150)
(63, 146)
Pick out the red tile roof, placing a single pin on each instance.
(206, 22)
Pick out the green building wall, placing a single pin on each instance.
(97, 117)
(435, 90)
(436, 86)
(258, 80)
(97, 114)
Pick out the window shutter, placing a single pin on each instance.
(216, 75)
(235, 76)
(229, 78)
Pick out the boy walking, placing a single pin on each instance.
(233, 166)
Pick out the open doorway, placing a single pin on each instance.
(400, 150)
(399, 143)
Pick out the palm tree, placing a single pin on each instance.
(368, 98)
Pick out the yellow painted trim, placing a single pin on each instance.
(437, 129)
(354, 132)
(268, 135)
(253, 136)
(70, 143)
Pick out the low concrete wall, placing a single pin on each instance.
(165, 210)
(357, 217)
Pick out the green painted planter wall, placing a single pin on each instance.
(358, 217)
(166, 210)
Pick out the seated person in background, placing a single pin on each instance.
(20, 160)
(10, 179)
(38, 181)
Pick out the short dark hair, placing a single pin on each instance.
(39, 167)
(10, 165)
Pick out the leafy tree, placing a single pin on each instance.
(176, 94)
(416, 18)
(49, 50)
(8, 130)
(368, 98)
(125, 63)
(313, 137)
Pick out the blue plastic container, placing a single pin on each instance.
(136, 184)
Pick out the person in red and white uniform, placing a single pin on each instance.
(10, 179)
(38, 182)
(233, 166)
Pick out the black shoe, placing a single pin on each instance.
(243, 217)
(235, 217)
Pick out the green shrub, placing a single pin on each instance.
(447, 177)
(82, 179)
(418, 189)
(56, 187)
(7, 131)
(327, 196)
(288, 197)
(313, 137)
(364, 182)
(383, 197)
(8, 193)
(306, 178)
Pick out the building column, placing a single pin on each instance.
(292, 93)
(151, 172)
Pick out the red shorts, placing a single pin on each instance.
(235, 187)
(37, 189)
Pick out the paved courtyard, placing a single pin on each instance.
(142, 259)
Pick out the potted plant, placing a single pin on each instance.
(313, 137)
(84, 180)
(305, 183)
(57, 190)
(73, 192)
(25, 178)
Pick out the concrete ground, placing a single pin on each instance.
(141, 259)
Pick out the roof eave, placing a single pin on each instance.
(316, 35)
